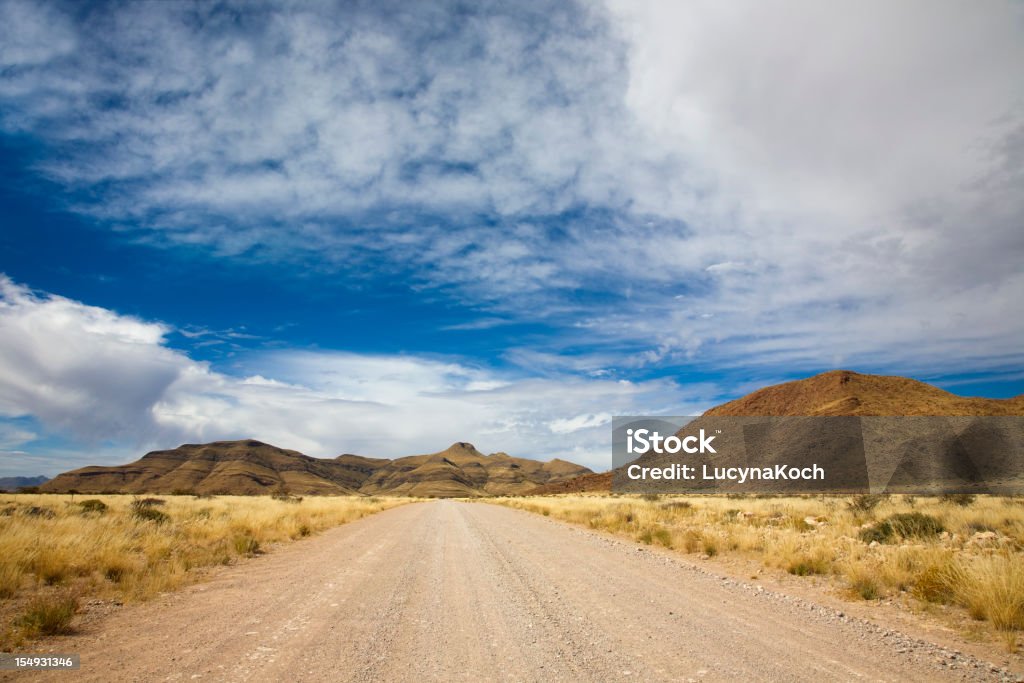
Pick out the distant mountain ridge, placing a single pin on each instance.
(250, 467)
(15, 483)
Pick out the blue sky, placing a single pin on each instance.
(384, 227)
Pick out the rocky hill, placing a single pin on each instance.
(251, 467)
(844, 393)
(462, 470)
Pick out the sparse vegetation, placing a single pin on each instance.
(246, 545)
(48, 615)
(902, 525)
(866, 502)
(961, 499)
(143, 510)
(54, 550)
(960, 550)
(93, 505)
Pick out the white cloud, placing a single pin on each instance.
(80, 368)
(821, 182)
(32, 34)
(866, 151)
(12, 436)
(575, 424)
(91, 375)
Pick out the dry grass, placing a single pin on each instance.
(957, 551)
(56, 549)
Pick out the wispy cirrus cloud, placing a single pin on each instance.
(661, 184)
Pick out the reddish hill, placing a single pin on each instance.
(835, 393)
(585, 484)
(844, 392)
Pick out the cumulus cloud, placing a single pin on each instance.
(660, 183)
(92, 375)
(80, 368)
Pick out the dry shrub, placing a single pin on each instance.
(144, 510)
(10, 579)
(692, 540)
(810, 563)
(93, 505)
(992, 587)
(961, 499)
(246, 545)
(658, 535)
(863, 582)
(903, 525)
(48, 615)
(865, 502)
(51, 564)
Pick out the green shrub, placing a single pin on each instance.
(93, 505)
(882, 533)
(915, 525)
(144, 512)
(902, 525)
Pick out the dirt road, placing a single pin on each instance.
(475, 592)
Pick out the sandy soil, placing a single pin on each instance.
(474, 592)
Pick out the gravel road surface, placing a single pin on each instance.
(474, 592)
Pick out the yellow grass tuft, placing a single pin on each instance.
(49, 615)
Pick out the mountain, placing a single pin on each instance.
(870, 432)
(15, 483)
(843, 392)
(251, 467)
(586, 483)
(462, 470)
(238, 467)
(901, 452)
